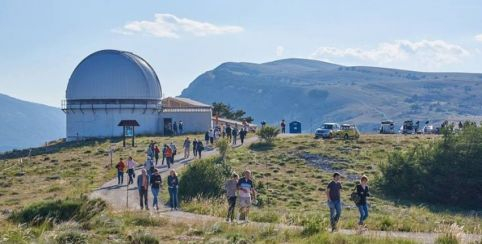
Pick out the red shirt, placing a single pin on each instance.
(120, 166)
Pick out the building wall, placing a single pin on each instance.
(193, 121)
(99, 123)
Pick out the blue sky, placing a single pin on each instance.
(41, 42)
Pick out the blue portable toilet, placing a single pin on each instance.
(295, 127)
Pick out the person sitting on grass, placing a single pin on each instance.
(231, 185)
(246, 192)
(333, 192)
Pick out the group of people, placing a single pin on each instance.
(177, 128)
(244, 188)
(231, 133)
(360, 194)
(150, 178)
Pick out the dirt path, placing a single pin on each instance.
(117, 197)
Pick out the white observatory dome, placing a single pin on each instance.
(113, 75)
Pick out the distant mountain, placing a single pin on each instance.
(314, 92)
(25, 124)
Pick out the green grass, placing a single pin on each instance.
(291, 192)
(295, 190)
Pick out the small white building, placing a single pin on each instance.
(110, 85)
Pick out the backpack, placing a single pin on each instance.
(355, 197)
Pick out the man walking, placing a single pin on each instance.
(242, 135)
(194, 147)
(156, 184)
(142, 185)
(334, 201)
(187, 147)
(246, 191)
(235, 134)
(228, 132)
(283, 126)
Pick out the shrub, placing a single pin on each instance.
(56, 211)
(71, 237)
(445, 172)
(268, 133)
(143, 238)
(313, 225)
(204, 178)
(223, 146)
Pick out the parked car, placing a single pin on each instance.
(407, 127)
(348, 131)
(327, 130)
(387, 127)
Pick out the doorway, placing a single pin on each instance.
(168, 127)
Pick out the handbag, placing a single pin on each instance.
(355, 197)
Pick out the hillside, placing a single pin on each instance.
(314, 92)
(25, 124)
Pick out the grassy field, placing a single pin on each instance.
(291, 191)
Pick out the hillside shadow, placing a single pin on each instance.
(261, 146)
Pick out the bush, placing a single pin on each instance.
(71, 237)
(314, 225)
(59, 211)
(445, 172)
(268, 133)
(143, 238)
(223, 146)
(204, 178)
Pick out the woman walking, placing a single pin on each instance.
(131, 165)
(156, 185)
(363, 193)
(187, 148)
(231, 186)
(120, 172)
(168, 153)
(173, 184)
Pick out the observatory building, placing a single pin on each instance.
(111, 86)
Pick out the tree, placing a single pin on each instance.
(226, 111)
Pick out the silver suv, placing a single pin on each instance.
(327, 130)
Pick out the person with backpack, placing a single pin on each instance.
(142, 187)
(156, 153)
(333, 193)
(231, 186)
(173, 185)
(131, 167)
(247, 194)
(242, 135)
(235, 134)
(168, 156)
(120, 166)
(200, 148)
(156, 185)
(362, 192)
(194, 147)
(187, 147)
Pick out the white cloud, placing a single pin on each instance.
(171, 26)
(413, 54)
(478, 37)
(280, 50)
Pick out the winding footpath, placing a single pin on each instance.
(123, 198)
